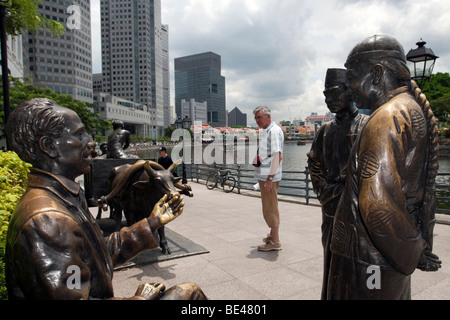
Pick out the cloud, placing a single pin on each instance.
(276, 52)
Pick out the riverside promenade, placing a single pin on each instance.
(230, 226)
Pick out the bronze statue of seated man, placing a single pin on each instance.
(55, 249)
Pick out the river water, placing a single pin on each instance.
(294, 156)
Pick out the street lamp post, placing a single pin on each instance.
(421, 61)
(4, 57)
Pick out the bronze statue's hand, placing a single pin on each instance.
(429, 262)
(150, 291)
(165, 211)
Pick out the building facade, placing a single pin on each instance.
(14, 49)
(199, 77)
(132, 55)
(237, 118)
(136, 117)
(63, 64)
(195, 111)
(167, 109)
(314, 121)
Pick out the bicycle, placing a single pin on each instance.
(227, 182)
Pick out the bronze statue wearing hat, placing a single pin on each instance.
(55, 249)
(383, 227)
(329, 154)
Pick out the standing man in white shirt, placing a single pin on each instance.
(268, 169)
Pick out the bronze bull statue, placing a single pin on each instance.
(136, 188)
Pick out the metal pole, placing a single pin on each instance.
(4, 56)
(184, 179)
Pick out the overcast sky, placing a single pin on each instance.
(276, 52)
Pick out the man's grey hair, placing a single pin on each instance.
(30, 121)
(264, 110)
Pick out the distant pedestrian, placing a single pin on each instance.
(165, 160)
(268, 168)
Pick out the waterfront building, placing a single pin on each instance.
(199, 77)
(133, 42)
(63, 64)
(315, 121)
(137, 118)
(195, 111)
(237, 118)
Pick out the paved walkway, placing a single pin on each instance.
(231, 227)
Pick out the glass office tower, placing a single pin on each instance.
(199, 77)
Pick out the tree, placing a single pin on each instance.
(437, 90)
(20, 91)
(22, 15)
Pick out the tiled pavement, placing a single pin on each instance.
(230, 227)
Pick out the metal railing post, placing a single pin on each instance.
(307, 185)
(239, 178)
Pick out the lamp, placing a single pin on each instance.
(422, 61)
(187, 122)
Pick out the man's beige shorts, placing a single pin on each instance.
(270, 204)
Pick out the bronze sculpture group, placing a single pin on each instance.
(385, 211)
(374, 175)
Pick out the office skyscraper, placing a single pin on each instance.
(199, 77)
(63, 64)
(166, 75)
(132, 50)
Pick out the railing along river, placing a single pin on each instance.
(298, 183)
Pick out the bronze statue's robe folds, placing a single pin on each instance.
(376, 220)
(52, 232)
(327, 162)
(328, 158)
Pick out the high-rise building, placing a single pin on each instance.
(237, 118)
(199, 77)
(132, 54)
(166, 75)
(63, 64)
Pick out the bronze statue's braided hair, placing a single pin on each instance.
(427, 218)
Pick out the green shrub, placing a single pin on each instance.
(13, 179)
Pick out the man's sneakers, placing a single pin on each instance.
(269, 245)
(267, 238)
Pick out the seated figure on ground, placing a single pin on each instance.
(55, 249)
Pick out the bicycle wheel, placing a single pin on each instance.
(212, 180)
(228, 184)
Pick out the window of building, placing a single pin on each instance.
(213, 87)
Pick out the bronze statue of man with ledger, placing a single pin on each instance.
(52, 231)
